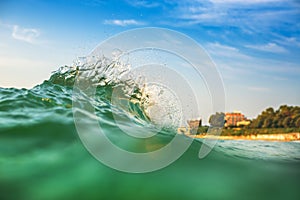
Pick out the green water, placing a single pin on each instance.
(42, 157)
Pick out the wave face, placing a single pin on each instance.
(42, 156)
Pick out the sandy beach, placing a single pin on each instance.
(284, 137)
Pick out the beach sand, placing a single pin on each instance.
(284, 137)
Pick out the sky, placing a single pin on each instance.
(255, 44)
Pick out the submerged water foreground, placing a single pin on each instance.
(42, 157)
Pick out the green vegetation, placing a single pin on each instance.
(284, 117)
(256, 131)
(202, 129)
(284, 120)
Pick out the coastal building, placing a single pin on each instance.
(243, 123)
(194, 125)
(235, 118)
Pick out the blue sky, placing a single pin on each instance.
(254, 43)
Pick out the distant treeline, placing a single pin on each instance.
(284, 117)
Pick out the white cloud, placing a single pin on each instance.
(234, 63)
(200, 17)
(270, 47)
(93, 2)
(288, 41)
(225, 51)
(125, 22)
(143, 3)
(25, 34)
(221, 47)
(243, 14)
(243, 1)
(258, 89)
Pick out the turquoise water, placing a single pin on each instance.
(42, 157)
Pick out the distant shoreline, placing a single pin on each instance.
(284, 137)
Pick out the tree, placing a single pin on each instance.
(297, 123)
(202, 129)
(284, 117)
(267, 123)
(258, 122)
(287, 122)
(270, 111)
(284, 110)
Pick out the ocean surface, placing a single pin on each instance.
(42, 156)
